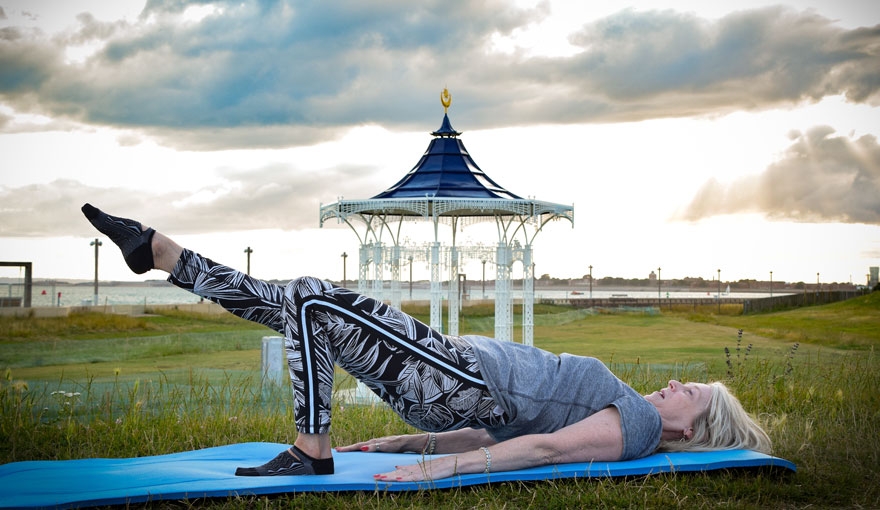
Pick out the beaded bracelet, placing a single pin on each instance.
(430, 444)
(488, 459)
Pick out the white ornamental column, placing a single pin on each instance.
(436, 291)
(528, 314)
(395, 276)
(363, 268)
(452, 290)
(378, 276)
(503, 306)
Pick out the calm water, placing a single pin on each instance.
(75, 295)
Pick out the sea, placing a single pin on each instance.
(47, 295)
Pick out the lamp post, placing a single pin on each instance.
(96, 243)
(344, 275)
(659, 280)
(591, 283)
(719, 291)
(484, 277)
(771, 283)
(248, 250)
(410, 258)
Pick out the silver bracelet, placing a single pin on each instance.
(488, 459)
(430, 444)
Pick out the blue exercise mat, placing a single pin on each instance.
(209, 473)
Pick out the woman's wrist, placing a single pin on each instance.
(416, 443)
(430, 445)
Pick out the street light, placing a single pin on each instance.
(410, 258)
(484, 277)
(591, 283)
(658, 287)
(248, 250)
(771, 283)
(96, 243)
(719, 291)
(344, 275)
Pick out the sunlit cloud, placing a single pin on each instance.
(822, 177)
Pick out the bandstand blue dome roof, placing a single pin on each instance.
(446, 170)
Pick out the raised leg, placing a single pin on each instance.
(144, 249)
(430, 380)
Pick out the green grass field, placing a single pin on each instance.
(95, 385)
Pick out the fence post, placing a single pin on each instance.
(274, 366)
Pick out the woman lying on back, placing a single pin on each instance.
(498, 405)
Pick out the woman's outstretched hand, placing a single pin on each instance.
(388, 444)
(422, 469)
(436, 468)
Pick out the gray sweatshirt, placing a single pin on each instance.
(542, 392)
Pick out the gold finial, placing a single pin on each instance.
(445, 99)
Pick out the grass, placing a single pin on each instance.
(851, 324)
(95, 344)
(92, 386)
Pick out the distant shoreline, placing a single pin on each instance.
(577, 285)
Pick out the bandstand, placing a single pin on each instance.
(446, 187)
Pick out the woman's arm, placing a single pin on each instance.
(462, 440)
(446, 442)
(597, 438)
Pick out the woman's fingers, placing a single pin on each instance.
(435, 469)
(350, 447)
(411, 473)
(390, 444)
(362, 446)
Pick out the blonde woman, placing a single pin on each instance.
(497, 405)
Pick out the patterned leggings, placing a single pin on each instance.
(431, 380)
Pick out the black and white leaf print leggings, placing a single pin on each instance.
(431, 380)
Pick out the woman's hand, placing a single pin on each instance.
(389, 444)
(424, 469)
(434, 469)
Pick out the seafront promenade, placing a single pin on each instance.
(750, 304)
(747, 303)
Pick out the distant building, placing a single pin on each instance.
(873, 276)
(652, 277)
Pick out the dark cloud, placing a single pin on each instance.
(250, 137)
(820, 178)
(272, 197)
(302, 70)
(768, 55)
(27, 62)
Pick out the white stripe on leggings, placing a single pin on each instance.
(391, 335)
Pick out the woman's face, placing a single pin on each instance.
(679, 405)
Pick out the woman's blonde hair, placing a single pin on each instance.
(725, 425)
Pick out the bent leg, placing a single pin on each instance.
(431, 380)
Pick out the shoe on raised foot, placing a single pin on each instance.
(129, 236)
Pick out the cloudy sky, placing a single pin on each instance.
(692, 136)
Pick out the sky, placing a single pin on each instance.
(691, 136)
